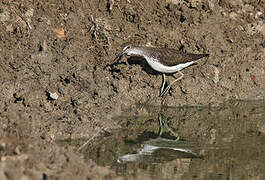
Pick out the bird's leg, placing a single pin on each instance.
(163, 84)
(163, 123)
(160, 124)
(166, 90)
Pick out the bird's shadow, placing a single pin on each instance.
(134, 60)
(143, 63)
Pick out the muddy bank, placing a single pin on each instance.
(35, 63)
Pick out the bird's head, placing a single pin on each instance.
(125, 50)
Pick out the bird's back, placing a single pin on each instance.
(171, 57)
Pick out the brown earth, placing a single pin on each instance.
(35, 63)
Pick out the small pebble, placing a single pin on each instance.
(54, 96)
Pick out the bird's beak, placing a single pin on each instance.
(119, 56)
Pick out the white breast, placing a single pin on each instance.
(168, 69)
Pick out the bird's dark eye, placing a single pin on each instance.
(125, 48)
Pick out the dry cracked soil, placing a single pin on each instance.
(56, 83)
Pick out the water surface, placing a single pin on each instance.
(224, 142)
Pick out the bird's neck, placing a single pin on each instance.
(136, 51)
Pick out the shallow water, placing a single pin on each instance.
(224, 142)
